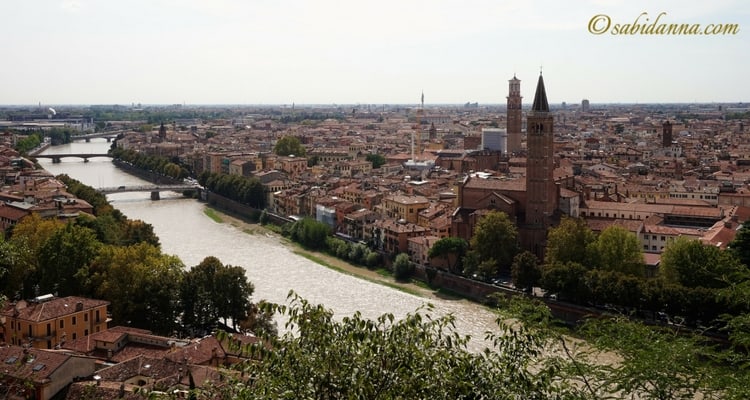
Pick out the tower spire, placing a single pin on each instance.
(540, 97)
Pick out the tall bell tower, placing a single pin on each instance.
(541, 191)
(514, 115)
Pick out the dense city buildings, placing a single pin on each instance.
(661, 172)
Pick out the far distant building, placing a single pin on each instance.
(513, 122)
(494, 139)
(666, 134)
(585, 106)
(162, 131)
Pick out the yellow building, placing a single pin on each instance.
(405, 207)
(47, 321)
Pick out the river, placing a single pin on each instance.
(185, 231)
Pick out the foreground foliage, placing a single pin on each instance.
(416, 357)
(419, 356)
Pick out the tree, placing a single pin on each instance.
(61, 257)
(565, 279)
(310, 233)
(137, 231)
(234, 293)
(495, 237)
(8, 258)
(289, 145)
(653, 364)
(452, 249)
(24, 144)
(402, 267)
(377, 160)
(691, 263)
(264, 218)
(141, 283)
(211, 291)
(740, 246)
(354, 357)
(525, 270)
(617, 249)
(259, 321)
(569, 241)
(28, 238)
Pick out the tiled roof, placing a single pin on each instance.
(50, 309)
(518, 185)
(32, 364)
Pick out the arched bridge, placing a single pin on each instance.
(154, 189)
(57, 157)
(108, 135)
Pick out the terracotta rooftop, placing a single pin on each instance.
(33, 364)
(50, 309)
(516, 185)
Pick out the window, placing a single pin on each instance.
(653, 247)
(74, 320)
(62, 324)
(86, 317)
(49, 329)
(663, 238)
(74, 336)
(653, 237)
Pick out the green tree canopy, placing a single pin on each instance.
(141, 283)
(289, 145)
(28, 238)
(402, 267)
(310, 233)
(655, 364)
(740, 246)
(452, 249)
(62, 255)
(377, 160)
(569, 242)
(692, 264)
(417, 357)
(617, 249)
(525, 270)
(566, 280)
(495, 238)
(211, 291)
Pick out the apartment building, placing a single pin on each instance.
(47, 321)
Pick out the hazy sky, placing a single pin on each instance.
(370, 52)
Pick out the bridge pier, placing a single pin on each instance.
(155, 195)
(109, 139)
(55, 160)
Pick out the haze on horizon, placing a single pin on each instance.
(385, 52)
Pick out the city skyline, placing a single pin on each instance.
(330, 52)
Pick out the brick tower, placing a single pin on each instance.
(541, 191)
(513, 121)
